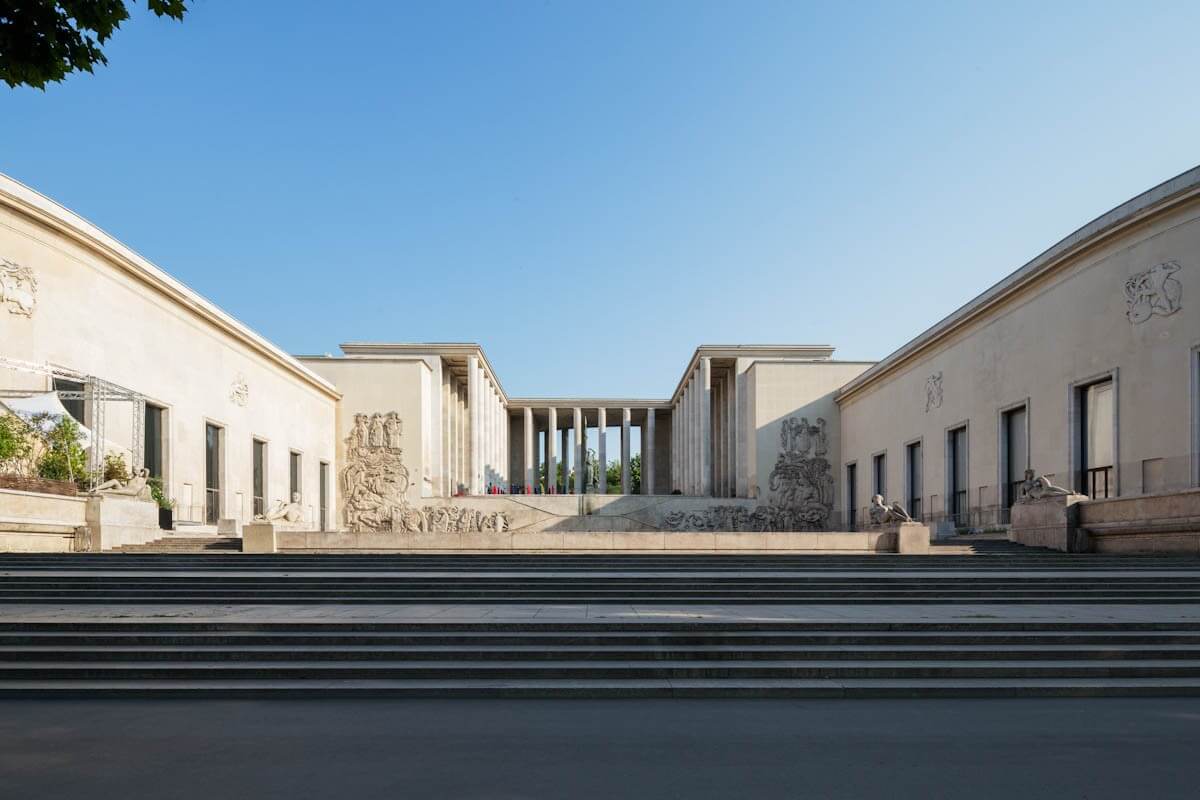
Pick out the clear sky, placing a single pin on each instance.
(590, 190)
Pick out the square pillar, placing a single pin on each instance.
(648, 453)
(551, 451)
(626, 486)
(580, 456)
(475, 425)
(601, 447)
(528, 461)
(706, 484)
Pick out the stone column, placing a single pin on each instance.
(566, 443)
(551, 454)
(475, 426)
(601, 448)
(648, 453)
(580, 482)
(528, 462)
(626, 486)
(706, 487)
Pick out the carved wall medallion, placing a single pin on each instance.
(933, 391)
(801, 490)
(18, 288)
(375, 481)
(239, 392)
(1153, 291)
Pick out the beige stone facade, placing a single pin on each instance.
(1083, 365)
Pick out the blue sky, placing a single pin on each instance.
(592, 190)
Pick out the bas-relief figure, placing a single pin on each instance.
(375, 482)
(284, 512)
(801, 489)
(933, 391)
(881, 513)
(137, 487)
(1037, 487)
(1153, 291)
(18, 288)
(239, 391)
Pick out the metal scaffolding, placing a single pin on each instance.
(96, 393)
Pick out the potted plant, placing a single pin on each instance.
(166, 506)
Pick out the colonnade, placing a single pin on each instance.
(474, 431)
(574, 439)
(704, 432)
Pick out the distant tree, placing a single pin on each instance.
(44, 41)
(613, 474)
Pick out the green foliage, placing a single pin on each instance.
(159, 494)
(16, 443)
(63, 458)
(115, 468)
(44, 41)
(613, 475)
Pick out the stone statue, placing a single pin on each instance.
(1037, 487)
(284, 512)
(376, 437)
(391, 430)
(883, 514)
(137, 487)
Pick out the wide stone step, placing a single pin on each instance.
(597, 689)
(287, 654)
(567, 670)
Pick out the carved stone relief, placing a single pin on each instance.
(239, 391)
(801, 489)
(1153, 291)
(18, 288)
(933, 391)
(375, 480)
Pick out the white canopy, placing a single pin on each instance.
(46, 403)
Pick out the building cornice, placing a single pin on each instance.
(48, 214)
(780, 352)
(419, 349)
(1161, 199)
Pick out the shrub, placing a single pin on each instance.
(115, 468)
(64, 458)
(16, 444)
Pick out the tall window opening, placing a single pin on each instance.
(258, 485)
(153, 443)
(956, 469)
(1096, 439)
(916, 483)
(879, 470)
(851, 496)
(1014, 446)
(212, 473)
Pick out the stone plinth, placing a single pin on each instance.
(115, 520)
(226, 526)
(912, 538)
(1050, 522)
(259, 537)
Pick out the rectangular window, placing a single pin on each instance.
(851, 495)
(153, 440)
(212, 473)
(294, 488)
(956, 470)
(916, 483)
(879, 466)
(324, 499)
(1014, 430)
(1096, 439)
(258, 486)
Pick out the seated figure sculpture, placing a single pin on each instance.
(137, 487)
(1037, 487)
(284, 512)
(883, 514)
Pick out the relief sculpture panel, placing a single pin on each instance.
(801, 489)
(375, 483)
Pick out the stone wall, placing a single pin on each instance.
(34, 522)
(1158, 523)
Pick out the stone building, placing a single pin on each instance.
(1083, 364)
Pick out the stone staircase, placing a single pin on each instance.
(185, 544)
(597, 659)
